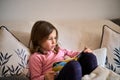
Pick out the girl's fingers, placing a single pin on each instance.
(88, 50)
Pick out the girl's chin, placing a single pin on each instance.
(51, 49)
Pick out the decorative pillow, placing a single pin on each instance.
(111, 40)
(13, 54)
(101, 56)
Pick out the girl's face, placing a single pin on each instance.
(50, 42)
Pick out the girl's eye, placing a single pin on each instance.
(49, 38)
(52, 38)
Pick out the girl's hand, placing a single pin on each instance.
(87, 50)
(50, 75)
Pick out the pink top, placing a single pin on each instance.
(39, 64)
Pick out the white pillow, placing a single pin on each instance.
(101, 56)
(13, 54)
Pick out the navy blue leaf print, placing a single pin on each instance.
(110, 66)
(4, 71)
(14, 71)
(21, 54)
(4, 59)
(117, 54)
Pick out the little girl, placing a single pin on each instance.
(45, 51)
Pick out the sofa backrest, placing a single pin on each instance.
(73, 34)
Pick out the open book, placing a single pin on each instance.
(57, 66)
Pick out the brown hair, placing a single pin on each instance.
(39, 33)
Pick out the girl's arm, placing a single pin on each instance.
(71, 53)
(35, 68)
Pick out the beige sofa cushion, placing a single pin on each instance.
(13, 54)
(111, 40)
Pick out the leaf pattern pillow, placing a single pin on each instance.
(13, 54)
(111, 40)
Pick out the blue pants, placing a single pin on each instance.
(74, 70)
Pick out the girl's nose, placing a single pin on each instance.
(53, 41)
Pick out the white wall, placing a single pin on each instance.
(66, 15)
(32, 10)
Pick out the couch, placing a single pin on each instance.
(73, 35)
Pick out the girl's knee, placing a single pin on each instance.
(73, 64)
(88, 58)
(88, 62)
(91, 55)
